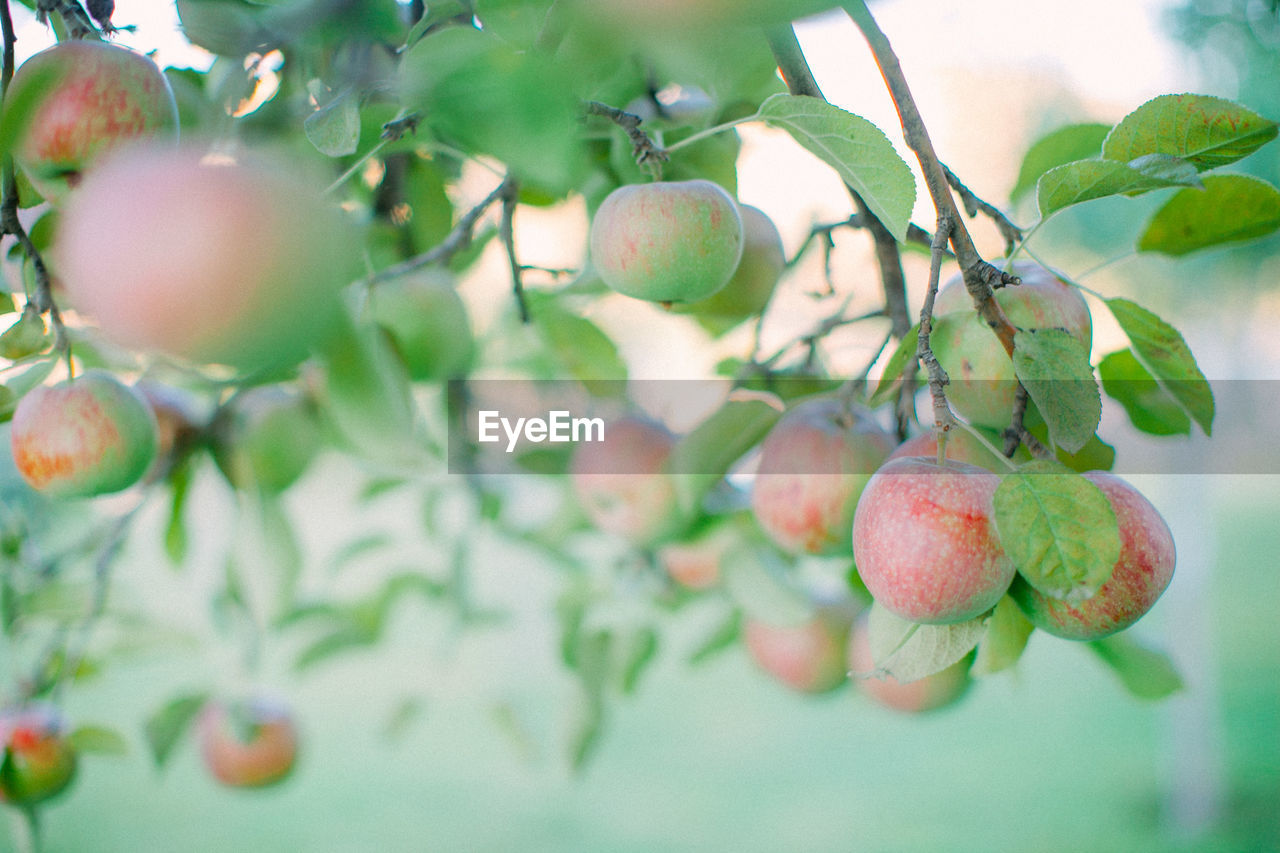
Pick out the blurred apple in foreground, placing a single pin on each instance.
(266, 437)
(210, 259)
(78, 100)
(247, 744)
(427, 322)
(622, 482)
(1140, 576)
(809, 657)
(39, 761)
(90, 435)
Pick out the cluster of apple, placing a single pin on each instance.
(829, 479)
(243, 744)
(215, 249)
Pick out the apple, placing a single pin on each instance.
(925, 694)
(983, 383)
(669, 242)
(210, 259)
(762, 264)
(80, 99)
(427, 323)
(265, 438)
(247, 744)
(808, 657)
(39, 761)
(925, 543)
(90, 435)
(1140, 576)
(814, 464)
(696, 562)
(622, 482)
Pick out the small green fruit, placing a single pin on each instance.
(667, 241)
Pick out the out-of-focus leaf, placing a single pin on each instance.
(166, 727)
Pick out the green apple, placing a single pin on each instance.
(669, 242)
(86, 436)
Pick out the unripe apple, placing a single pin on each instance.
(667, 242)
(924, 694)
(1140, 575)
(247, 744)
(983, 383)
(925, 543)
(809, 657)
(623, 484)
(208, 259)
(266, 438)
(749, 291)
(78, 100)
(87, 436)
(39, 761)
(427, 322)
(814, 464)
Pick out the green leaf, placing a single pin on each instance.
(1054, 368)
(98, 740)
(1058, 528)
(583, 351)
(585, 737)
(908, 652)
(18, 384)
(1206, 131)
(1163, 351)
(1096, 455)
(165, 728)
(857, 149)
(723, 636)
(345, 638)
(888, 385)
(1230, 209)
(175, 531)
(1148, 405)
(639, 650)
(225, 27)
(334, 129)
(1146, 673)
(487, 97)
(1073, 142)
(1085, 180)
(703, 456)
(1006, 637)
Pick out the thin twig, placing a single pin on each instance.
(1017, 433)
(943, 420)
(9, 221)
(800, 81)
(506, 231)
(649, 155)
(457, 240)
(978, 274)
(973, 205)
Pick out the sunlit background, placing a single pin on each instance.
(450, 740)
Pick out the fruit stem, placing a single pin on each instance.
(26, 829)
(9, 222)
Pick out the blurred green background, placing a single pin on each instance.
(1054, 757)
